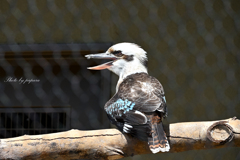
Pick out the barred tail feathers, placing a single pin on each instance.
(158, 140)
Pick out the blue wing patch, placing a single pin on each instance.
(164, 98)
(120, 107)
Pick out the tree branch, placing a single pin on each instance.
(112, 144)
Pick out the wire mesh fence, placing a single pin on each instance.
(47, 88)
(193, 49)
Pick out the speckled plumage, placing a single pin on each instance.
(145, 91)
(139, 105)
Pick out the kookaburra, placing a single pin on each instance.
(139, 104)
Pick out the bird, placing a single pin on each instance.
(139, 105)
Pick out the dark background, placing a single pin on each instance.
(193, 49)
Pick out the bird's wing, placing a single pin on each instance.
(135, 98)
(147, 94)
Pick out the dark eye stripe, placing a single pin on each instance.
(128, 58)
(117, 53)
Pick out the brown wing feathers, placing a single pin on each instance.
(142, 117)
(157, 139)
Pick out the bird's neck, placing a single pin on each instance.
(131, 68)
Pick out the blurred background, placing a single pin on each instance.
(193, 49)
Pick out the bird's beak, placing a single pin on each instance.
(101, 56)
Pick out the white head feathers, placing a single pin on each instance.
(130, 49)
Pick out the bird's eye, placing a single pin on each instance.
(117, 53)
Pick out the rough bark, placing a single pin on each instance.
(112, 144)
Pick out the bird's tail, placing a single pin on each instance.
(157, 140)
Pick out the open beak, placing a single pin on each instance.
(101, 56)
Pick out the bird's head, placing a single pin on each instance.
(126, 59)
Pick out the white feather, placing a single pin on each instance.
(125, 68)
(130, 49)
(166, 149)
(126, 127)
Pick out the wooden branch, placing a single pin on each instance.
(112, 144)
